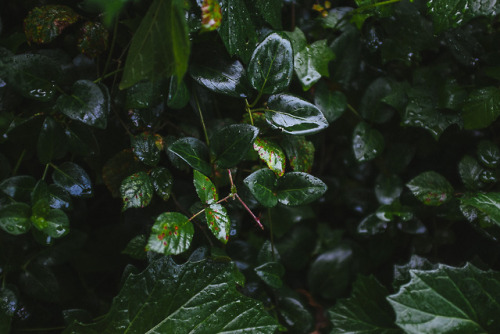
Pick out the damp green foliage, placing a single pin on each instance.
(231, 143)
(262, 185)
(136, 191)
(218, 221)
(44, 24)
(271, 154)
(367, 143)
(73, 178)
(162, 181)
(15, 218)
(300, 153)
(205, 188)
(194, 152)
(482, 108)
(298, 188)
(431, 188)
(94, 39)
(145, 148)
(171, 233)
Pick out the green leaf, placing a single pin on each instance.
(171, 233)
(218, 221)
(211, 15)
(15, 218)
(197, 297)
(270, 10)
(297, 188)
(205, 188)
(44, 24)
(136, 191)
(331, 103)
(52, 141)
(431, 188)
(388, 188)
(237, 31)
(372, 225)
(365, 311)
(482, 108)
(52, 222)
(73, 179)
(367, 143)
(311, 63)
(59, 198)
(271, 273)
(456, 300)
(220, 76)
(389, 212)
(144, 94)
(402, 273)
(145, 146)
(88, 103)
(162, 182)
(82, 140)
(8, 306)
(294, 116)
(271, 66)
(488, 154)
(271, 154)
(93, 39)
(110, 8)
(470, 172)
(178, 94)
(487, 203)
(262, 185)
(194, 152)
(300, 153)
(231, 143)
(371, 107)
(136, 247)
(18, 187)
(160, 47)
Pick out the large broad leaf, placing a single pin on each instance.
(231, 143)
(262, 185)
(297, 188)
(136, 190)
(365, 311)
(270, 10)
(171, 233)
(160, 46)
(431, 188)
(15, 218)
(271, 154)
(218, 221)
(488, 203)
(52, 141)
(196, 297)
(43, 24)
(293, 115)
(449, 300)
(89, 103)
(205, 188)
(371, 107)
(270, 68)
(482, 108)
(194, 152)
(73, 179)
(367, 142)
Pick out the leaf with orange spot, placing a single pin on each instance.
(218, 221)
(271, 154)
(136, 191)
(205, 188)
(171, 233)
(211, 15)
(43, 24)
(300, 153)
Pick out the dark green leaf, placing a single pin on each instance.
(231, 143)
(388, 188)
(347, 50)
(482, 108)
(110, 8)
(296, 246)
(470, 172)
(372, 225)
(394, 210)
(81, 139)
(311, 63)
(197, 297)
(271, 66)
(365, 311)
(300, 153)
(298, 188)
(8, 306)
(144, 94)
(171, 233)
(270, 10)
(162, 182)
(218, 221)
(178, 94)
(205, 188)
(136, 247)
(371, 107)
(271, 273)
(331, 103)
(194, 152)
(136, 191)
(18, 187)
(431, 188)
(294, 116)
(118, 167)
(456, 300)
(43, 24)
(487, 203)
(53, 222)
(40, 282)
(147, 147)
(402, 273)
(73, 179)
(367, 143)
(219, 76)
(160, 47)
(52, 141)
(271, 154)
(15, 218)
(262, 184)
(89, 103)
(294, 312)
(488, 154)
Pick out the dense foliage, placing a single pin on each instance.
(208, 166)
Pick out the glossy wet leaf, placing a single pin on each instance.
(197, 297)
(52, 141)
(18, 187)
(311, 63)
(43, 24)
(59, 198)
(93, 39)
(54, 222)
(160, 46)
(73, 179)
(372, 225)
(82, 140)
(271, 66)
(136, 247)
(144, 94)
(487, 203)
(394, 211)
(470, 172)
(456, 300)
(371, 107)
(211, 15)
(270, 10)
(178, 94)
(388, 188)
(293, 115)
(367, 142)
(431, 188)
(205, 188)
(218, 221)
(223, 77)
(271, 154)
(162, 182)
(402, 273)
(171, 233)
(365, 311)
(192, 151)
(15, 218)
(118, 167)
(145, 147)
(271, 273)
(136, 191)
(231, 143)
(488, 154)
(300, 153)
(262, 185)
(331, 103)
(88, 103)
(298, 188)
(482, 108)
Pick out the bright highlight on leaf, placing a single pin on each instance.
(136, 191)
(271, 154)
(211, 15)
(171, 233)
(431, 188)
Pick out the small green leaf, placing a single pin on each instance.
(271, 66)
(431, 188)
(488, 154)
(311, 63)
(73, 179)
(43, 24)
(231, 143)
(300, 153)
(178, 94)
(487, 203)
(145, 147)
(220, 76)
(294, 116)
(136, 247)
(470, 172)
(388, 188)
(218, 221)
(271, 273)
(205, 188)
(144, 94)
(194, 152)
(171, 233)
(18, 187)
(331, 103)
(89, 103)
(367, 143)
(482, 108)
(136, 191)
(390, 212)
(297, 188)
(52, 141)
(162, 182)
(271, 154)
(371, 225)
(262, 185)
(55, 224)
(15, 218)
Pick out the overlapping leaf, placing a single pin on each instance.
(231, 143)
(431, 188)
(171, 233)
(194, 152)
(136, 190)
(271, 154)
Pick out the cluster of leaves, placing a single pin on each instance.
(257, 166)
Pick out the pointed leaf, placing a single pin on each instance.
(231, 143)
(205, 188)
(482, 108)
(300, 153)
(194, 152)
(470, 172)
(218, 221)
(136, 191)
(52, 141)
(145, 146)
(297, 188)
(162, 182)
(367, 143)
(220, 76)
(178, 94)
(15, 218)
(171, 233)
(262, 185)
(271, 154)
(271, 273)
(331, 103)
(294, 116)
(73, 179)
(311, 63)
(43, 24)
(487, 203)
(18, 187)
(431, 188)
